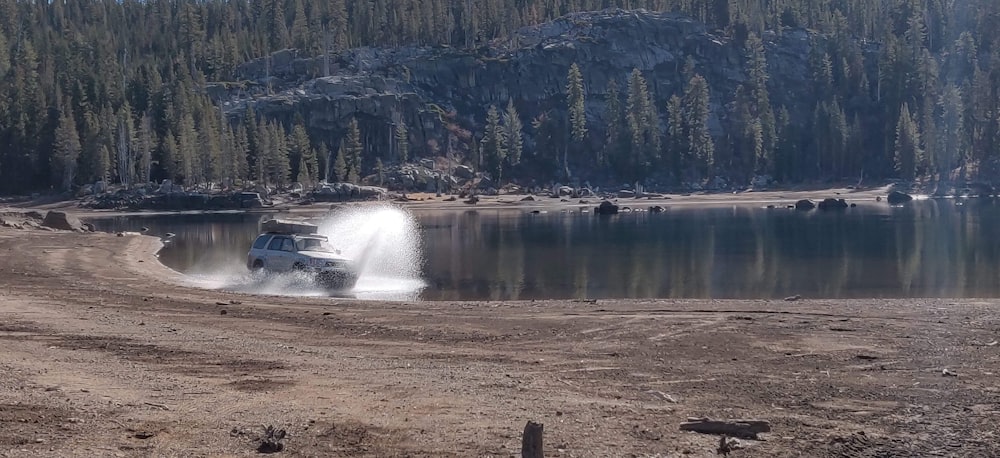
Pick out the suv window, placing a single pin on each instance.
(261, 242)
(287, 245)
(275, 244)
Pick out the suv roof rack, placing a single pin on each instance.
(279, 226)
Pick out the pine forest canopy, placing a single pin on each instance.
(115, 90)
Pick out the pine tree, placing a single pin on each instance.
(951, 135)
(614, 132)
(169, 156)
(187, 150)
(907, 152)
(677, 151)
(785, 155)
(575, 105)
(696, 112)
(278, 168)
(207, 156)
(103, 164)
(340, 165)
(761, 123)
(67, 151)
(353, 148)
(274, 25)
(402, 138)
(302, 156)
(300, 31)
(643, 126)
(241, 148)
(124, 151)
(493, 144)
(513, 136)
(144, 145)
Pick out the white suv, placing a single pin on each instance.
(280, 251)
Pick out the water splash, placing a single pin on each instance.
(383, 240)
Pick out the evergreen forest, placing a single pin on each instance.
(115, 90)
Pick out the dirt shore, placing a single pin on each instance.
(420, 202)
(104, 352)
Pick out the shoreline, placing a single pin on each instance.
(426, 202)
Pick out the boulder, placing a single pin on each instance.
(85, 190)
(626, 194)
(657, 209)
(464, 172)
(761, 181)
(340, 192)
(250, 200)
(896, 198)
(63, 221)
(805, 204)
(833, 204)
(166, 187)
(565, 191)
(606, 208)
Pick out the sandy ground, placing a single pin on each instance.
(104, 352)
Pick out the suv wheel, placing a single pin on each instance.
(258, 265)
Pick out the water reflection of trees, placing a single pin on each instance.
(932, 248)
(204, 243)
(929, 248)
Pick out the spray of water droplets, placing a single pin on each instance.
(383, 241)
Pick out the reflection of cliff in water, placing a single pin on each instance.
(929, 248)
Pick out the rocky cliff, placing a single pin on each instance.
(442, 93)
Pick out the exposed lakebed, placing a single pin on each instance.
(929, 248)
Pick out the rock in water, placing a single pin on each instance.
(63, 221)
(896, 198)
(833, 204)
(804, 204)
(606, 208)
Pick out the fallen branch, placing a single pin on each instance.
(158, 406)
(747, 429)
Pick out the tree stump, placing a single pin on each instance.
(531, 441)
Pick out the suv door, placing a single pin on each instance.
(276, 257)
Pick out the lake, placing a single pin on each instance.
(929, 248)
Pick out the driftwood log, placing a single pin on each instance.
(531, 441)
(746, 429)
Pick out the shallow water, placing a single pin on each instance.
(933, 248)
